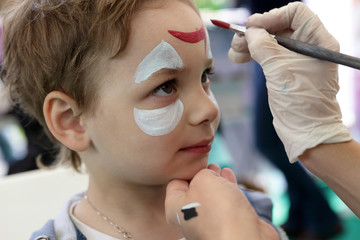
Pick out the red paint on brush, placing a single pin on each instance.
(221, 24)
(190, 37)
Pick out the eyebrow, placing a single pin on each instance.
(163, 56)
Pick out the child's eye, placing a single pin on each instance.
(165, 89)
(206, 73)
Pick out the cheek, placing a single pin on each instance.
(161, 121)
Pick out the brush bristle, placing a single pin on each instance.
(220, 23)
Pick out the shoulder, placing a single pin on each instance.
(260, 202)
(61, 228)
(263, 206)
(47, 232)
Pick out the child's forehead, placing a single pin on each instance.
(153, 25)
(174, 15)
(150, 27)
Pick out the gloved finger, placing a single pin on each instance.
(263, 47)
(294, 21)
(238, 57)
(239, 52)
(239, 43)
(290, 16)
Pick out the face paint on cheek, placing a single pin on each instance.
(162, 56)
(160, 121)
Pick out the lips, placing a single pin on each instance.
(201, 147)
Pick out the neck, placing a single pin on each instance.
(138, 209)
(127, 198)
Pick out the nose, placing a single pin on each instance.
(203, 108)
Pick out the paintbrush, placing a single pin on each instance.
(301, 47)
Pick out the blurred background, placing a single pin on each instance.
(246, 127)
(246, 141)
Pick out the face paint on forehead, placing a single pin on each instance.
(194, 37)
(190, 37)
(162, 56)
(208, 47)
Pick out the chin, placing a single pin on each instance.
(191, 172)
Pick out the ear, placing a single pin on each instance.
(62, 116)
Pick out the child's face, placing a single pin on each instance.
(157, 116)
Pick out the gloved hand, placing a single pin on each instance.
(302, 90)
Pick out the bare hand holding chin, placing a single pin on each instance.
(212, 206)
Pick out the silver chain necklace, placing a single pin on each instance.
(121, 230)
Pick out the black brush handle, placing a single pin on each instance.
(318, 52)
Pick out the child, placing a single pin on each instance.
(122, 86)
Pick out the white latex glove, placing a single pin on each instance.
(302, 90)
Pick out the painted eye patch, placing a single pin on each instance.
(162, 56)
(160, 121)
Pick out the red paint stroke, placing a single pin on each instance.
(190, 37)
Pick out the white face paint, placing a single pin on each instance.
(160, 121)
(162, 56)
(208, 48)
(213, 99)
